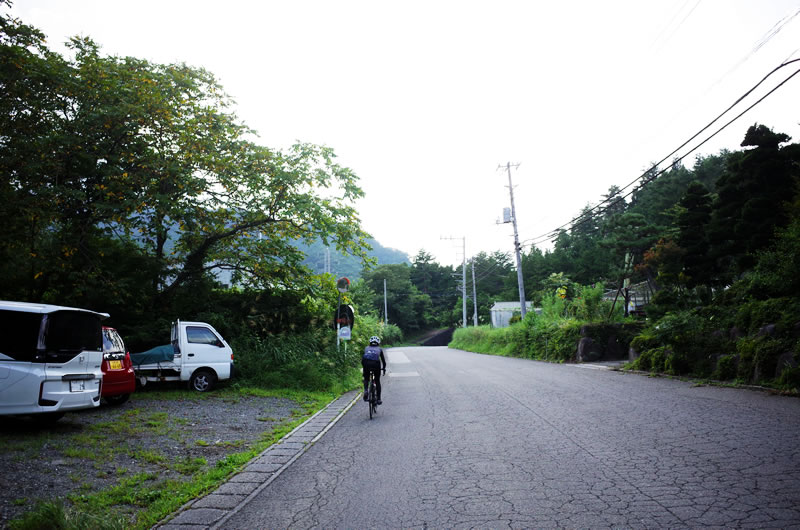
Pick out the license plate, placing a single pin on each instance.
(77, 386)
(115, 365)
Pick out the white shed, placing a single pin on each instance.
(503, 311)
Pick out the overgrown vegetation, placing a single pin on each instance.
(568, 313)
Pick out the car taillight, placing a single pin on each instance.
(128, 362)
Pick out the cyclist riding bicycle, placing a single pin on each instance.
(372, 362)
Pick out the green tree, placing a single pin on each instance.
(708, 169)
(693, 225)
(101, 149)
(408, 308)
(437, 282)
(655, 199)
(631, 235)
(752, 200)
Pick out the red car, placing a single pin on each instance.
(118, 378)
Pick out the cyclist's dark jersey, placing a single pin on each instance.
(374, 353)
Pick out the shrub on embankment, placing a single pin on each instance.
(751, 342)
(556, 341)
(310, 360)
(574, 323)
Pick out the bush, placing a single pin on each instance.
(726, 368)
(754, 314)
(758, 357)
(390, 334)
(790, 378)
(589, 306)
(645, 341)
(485, 339)
(652, 360)
(694, 339)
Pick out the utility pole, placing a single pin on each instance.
(516, 241)
(463, 278)
(474, 297)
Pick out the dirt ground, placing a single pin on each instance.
(95, 449)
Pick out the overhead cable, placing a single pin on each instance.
(643, 178)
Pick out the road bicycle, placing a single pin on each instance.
(372, 395)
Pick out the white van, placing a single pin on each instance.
(50, 359)
(197, 354)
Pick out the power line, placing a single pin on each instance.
(680, 24)
(584, 217)
(774, 30)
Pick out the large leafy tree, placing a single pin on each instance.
(108, 156)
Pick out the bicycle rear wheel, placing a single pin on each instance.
(373, 398)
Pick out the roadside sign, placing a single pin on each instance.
(344, 333)
(344, 316)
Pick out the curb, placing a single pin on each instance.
(217, 507)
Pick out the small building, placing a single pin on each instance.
(503, 311)
(639, 296)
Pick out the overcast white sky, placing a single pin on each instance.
(425, 99)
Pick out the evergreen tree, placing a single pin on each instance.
(752, 200)
(693, 223)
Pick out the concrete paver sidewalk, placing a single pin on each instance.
(215, 508)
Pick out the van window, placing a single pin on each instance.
(199, 335)
(70, 332)
(19, 334)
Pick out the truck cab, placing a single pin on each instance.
(197, 354)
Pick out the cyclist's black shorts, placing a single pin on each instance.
(368, 365)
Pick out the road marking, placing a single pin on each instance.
(599, 366)
(403, 374)
(398, 357)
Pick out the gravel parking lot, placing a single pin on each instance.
(167, 434)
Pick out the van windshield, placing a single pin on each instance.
(71, 332)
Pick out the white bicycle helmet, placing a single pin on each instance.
(374, 340)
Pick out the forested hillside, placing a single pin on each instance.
(343, 264)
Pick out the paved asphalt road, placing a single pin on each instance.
(475, 441)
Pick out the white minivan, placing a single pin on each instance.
(50, 359)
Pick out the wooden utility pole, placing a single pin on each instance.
(517, 247)
(474, 297)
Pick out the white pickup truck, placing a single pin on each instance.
(197, 354)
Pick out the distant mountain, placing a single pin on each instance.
(345, 264)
